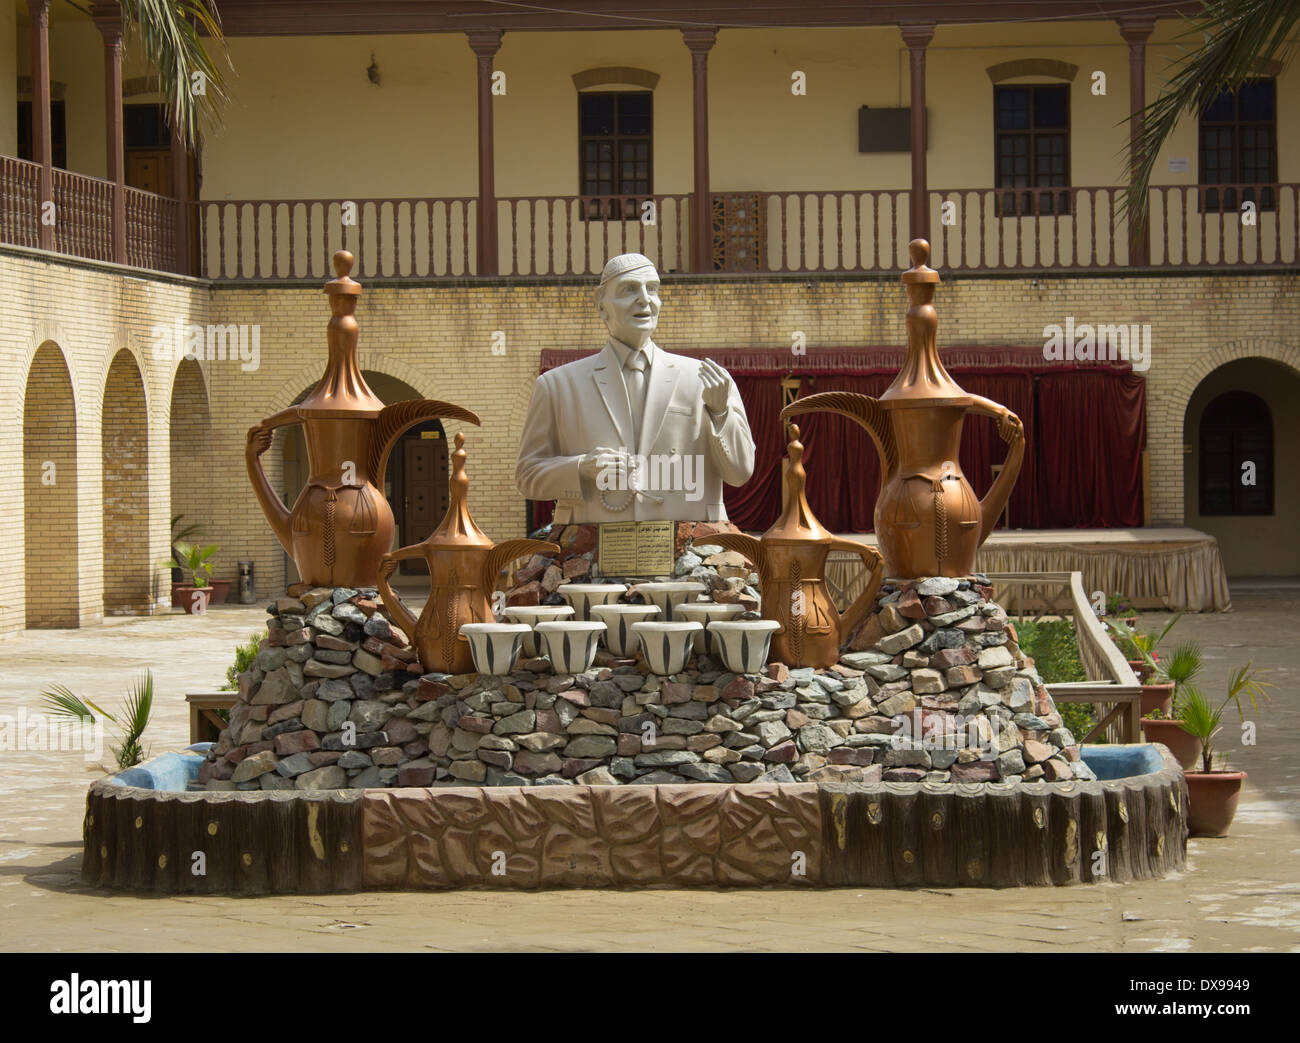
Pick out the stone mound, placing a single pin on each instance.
(934, 688)
(724, 572)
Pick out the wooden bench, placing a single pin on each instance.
(205, 723)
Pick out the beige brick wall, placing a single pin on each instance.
(439, 340)
(80, 316)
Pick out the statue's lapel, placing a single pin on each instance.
(664, 374)
(609, 385)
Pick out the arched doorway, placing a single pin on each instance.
(1240, 433)
(415, 483)
(190, 439)
(125, 461)
(50, 551)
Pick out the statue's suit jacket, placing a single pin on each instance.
(582, 405)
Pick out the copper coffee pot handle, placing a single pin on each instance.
(1012, 432)
(387, 566)
(875, 563)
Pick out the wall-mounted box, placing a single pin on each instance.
(885, 130)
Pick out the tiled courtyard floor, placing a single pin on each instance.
(1238, 894)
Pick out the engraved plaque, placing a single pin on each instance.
(635, 549)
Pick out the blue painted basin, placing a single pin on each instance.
(1122, 762)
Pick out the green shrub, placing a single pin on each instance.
(244, 656)
(1052, 645)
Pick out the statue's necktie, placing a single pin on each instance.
(635, 376)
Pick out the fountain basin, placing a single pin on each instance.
(666, 646)
(583, 595)
(704, 613)
(741, 835)
(495, 646)
(618, 620)
(532, 615)
(570, 643)
(668, 594)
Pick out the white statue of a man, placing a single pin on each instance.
(634, 433)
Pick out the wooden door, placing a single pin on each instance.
(424, 492)
(150, 170)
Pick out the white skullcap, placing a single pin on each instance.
(622, 264)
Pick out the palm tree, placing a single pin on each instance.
(1235, 36)
(190, 81)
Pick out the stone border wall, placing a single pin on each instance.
(696, 835)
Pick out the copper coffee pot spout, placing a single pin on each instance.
(790, 559)
(341, 524)
(463, 568)
(927, 520)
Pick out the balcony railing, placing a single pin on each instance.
(975, 230)
(82, 216)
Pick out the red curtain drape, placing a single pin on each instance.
(1085, 428)
(756, 504)
(1090, 437)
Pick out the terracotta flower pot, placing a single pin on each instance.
(220, 591)
(193, 600)
(1140, 667)
(1212, 801)
(1158, 697)
(1184, 746)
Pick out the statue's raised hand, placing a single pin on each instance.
(717, 386)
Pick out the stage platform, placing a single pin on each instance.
(1175, 569)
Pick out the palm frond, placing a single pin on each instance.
(171, 35)
(1184, 665)
(138, 708)
(60, 702)
(1235, 36)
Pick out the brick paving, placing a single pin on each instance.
(1241, 893)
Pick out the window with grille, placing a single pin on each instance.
(1032, 148)
(1236, 430)
(1238, 147)
(614, 152)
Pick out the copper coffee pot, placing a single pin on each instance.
(341, 524)
(928, 522)
(791, 562)
(463, 569)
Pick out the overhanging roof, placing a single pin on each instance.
(355, 17)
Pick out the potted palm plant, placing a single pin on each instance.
(1146, 663)
(1181, 669)
(1212, 795)
(193, 596)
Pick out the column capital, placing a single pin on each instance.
(108, 20)
(917, 35)
(1135, 28)
(700, 39)
(38, 10)
(484, 42)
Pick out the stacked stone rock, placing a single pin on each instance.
(941, 651)
(723, 572)
(935, 689)
(331, 661)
